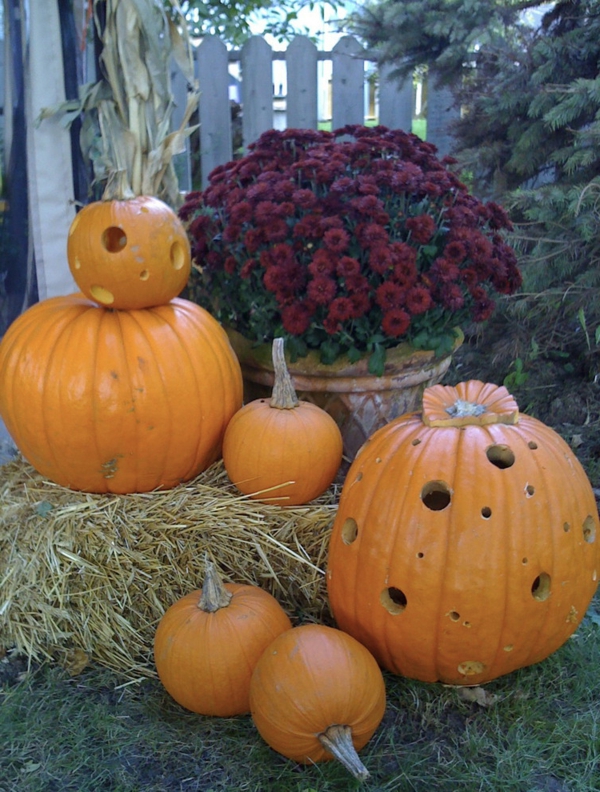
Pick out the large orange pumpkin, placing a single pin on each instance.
(117, 401)
(466, 541)
(129, 253)
(317, 694)
(283, 450)
(207, 644)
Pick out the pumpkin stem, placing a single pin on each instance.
(284, 394)
(214, 594)
(463, 409)
(338, 741)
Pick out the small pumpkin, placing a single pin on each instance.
(208, 642)
(117, 401)
(317, 694)
(282, 451)
(465, 543)
(129, 254)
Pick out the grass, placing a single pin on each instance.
(92, 733)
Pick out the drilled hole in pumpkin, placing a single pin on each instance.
(393, 600)
(436, 495)
(144, 275)
(416, 442)
(566, 527)
(454, 615)
(359, 476)
(589, 529)
(532, 445)
(501, 456)
(378, 460)
(509, 648)
(177, 255)
(486, 512)
(540, 588)
(525, 561)
(420, 555)
(529, 490)
(114, 239)
(77, 264)
(349, 530)
(102, 295)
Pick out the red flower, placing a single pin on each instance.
(395, 323)
(418, 300)
(422, 228)
(347, 267)
(322, 289)
(341, 309)
(322, 263)
(336, 240)
(296, 318)
(389, 295)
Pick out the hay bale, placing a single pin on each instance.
(89, 576)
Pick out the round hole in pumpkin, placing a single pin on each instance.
(102, 295)
(532, 444)
(416, 442)
(144, 275)
(486, 512)
(525, 561)
(114, 239)
(529, 490)
(378, 460)
(454, 616)
(77, 263)
(566, 527)
(540, 587)
(589, 529)
(420, 555)
(393, 600)
(349, 530)
(500, 456)
(466, 624)
(436, 495)
(177, 255)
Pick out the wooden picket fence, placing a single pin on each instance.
(395, 100)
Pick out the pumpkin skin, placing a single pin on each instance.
(460, 553)
(309, 679)
(283, 451)
(205, 659)
(129, 254)
(117, 401)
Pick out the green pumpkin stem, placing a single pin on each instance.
(284, 394)
(214, 594)
(338, 741)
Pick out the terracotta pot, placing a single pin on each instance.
(359, 402)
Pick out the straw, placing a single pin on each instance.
(87, 577)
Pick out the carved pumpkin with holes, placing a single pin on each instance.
(129, 254)
(466, 540)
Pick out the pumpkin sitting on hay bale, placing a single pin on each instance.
(89, 576)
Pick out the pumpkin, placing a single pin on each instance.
(208, 642)
(465, 544)
(282, 450)
(317, 694)
(129, 253)
(117, 401)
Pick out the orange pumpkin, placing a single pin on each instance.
(466, 541)
(129, 253)
(117, 401)
(317, 694)
(282, 451)
(207, 644)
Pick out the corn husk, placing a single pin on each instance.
(87, 577)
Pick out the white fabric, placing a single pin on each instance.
(51, 199)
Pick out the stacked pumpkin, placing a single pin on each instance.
(124, 387)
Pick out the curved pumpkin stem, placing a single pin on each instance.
(284, 394)
(338, 741)
(214, 594)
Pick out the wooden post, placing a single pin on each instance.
(257, 88)
(301, 100)
(348, 66)
(212, 62)
(396, 100)
(441, 112)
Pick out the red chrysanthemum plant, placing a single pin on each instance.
(348, 243)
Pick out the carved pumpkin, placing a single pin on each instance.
(466, 541)
(282, 451)
(129, 253)
(117, 401)
(317, 694)
(207, 644)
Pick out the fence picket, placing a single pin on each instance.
(348, 83)
(257, 88)
(301, 64)
(212, 64)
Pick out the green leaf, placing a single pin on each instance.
(377, 361)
